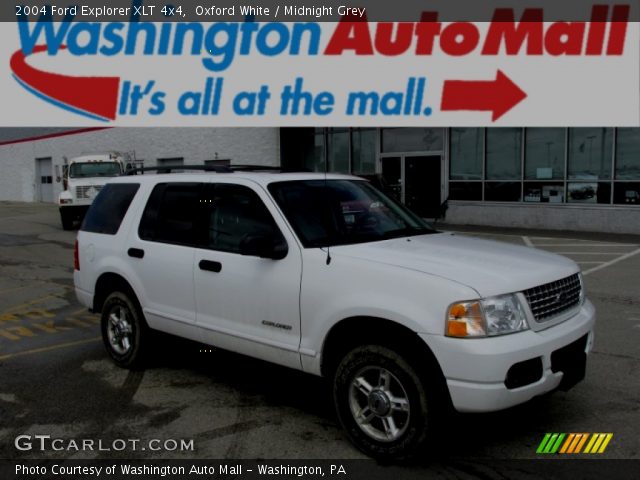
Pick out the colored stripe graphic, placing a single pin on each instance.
(598, 442)
(543, 443)
(94, 97)
(573, 443)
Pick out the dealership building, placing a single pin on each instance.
(584, 179)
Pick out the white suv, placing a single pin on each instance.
(327, 275)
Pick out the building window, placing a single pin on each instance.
(589, 192)
(465, 190)
(466, 147)
(411, 140)
(628, 154)
(544, 192)
(626, 193)
(590, 153)
(363, 151)
(338, 150)
(314, 159)
(544, 153)
(466, 153)
(504, 154)
(502, 191)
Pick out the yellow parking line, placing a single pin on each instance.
(49, 348)
(13, 289)
(41, 282)
(31, 302)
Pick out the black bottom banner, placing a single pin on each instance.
(335, 469)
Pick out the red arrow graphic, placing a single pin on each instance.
(498, 96)
(94, 95)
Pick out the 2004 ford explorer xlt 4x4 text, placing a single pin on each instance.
(326, 274)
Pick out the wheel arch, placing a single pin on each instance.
(361, 330)
(110, 282)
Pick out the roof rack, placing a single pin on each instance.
(205, 168)
(254, 168)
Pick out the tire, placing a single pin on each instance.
(66, 220)
(382, 403)
(124, 330)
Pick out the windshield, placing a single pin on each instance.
(94, 169)
(341, 212)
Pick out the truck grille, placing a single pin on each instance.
(548, 300)
(83, 190)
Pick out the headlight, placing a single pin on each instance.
(488, 317)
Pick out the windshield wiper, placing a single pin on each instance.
(406, 232)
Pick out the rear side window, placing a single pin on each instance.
(173, 214)
(109, 208)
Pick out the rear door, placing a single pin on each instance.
(246, 303)
(163, 251)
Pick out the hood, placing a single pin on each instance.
(489, 267)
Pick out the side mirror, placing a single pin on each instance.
(264, 246)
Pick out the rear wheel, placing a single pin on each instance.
(382, 402)
(124, 330)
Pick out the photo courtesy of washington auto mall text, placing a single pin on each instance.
(346, 239)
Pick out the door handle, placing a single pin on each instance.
(135, 252)
(210, 266)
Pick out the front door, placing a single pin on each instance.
(246, 303)
(44, 180)
(415, 180)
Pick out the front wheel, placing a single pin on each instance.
(382, 402)
(124, 330)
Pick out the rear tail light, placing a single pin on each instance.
(76, 257)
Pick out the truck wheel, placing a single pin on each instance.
(66, 219)
(124, 330)
(382, 402)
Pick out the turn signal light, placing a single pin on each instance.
(465, 319)
(456, 329)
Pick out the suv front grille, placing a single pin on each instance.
(83, 190)
(548, 300)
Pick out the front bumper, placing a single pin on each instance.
(79, 210)
(476, 369)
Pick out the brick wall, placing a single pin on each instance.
(258, 146)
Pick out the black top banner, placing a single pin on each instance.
(320, 11)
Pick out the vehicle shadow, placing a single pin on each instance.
(508, 434)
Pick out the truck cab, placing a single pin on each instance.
(83, 178)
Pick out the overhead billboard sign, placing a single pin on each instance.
(144, 64)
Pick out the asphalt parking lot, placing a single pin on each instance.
(55, 378)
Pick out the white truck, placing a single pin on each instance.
(83, 178)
